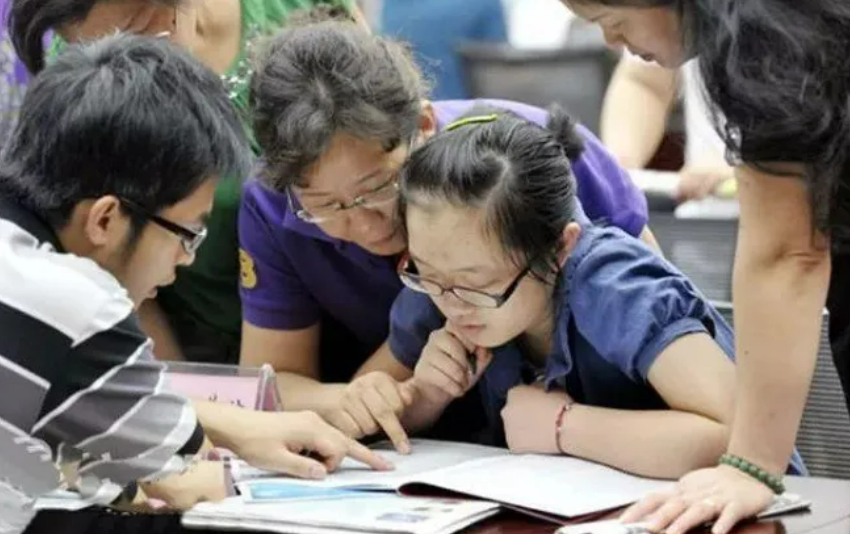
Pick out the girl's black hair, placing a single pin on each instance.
(322, 75)
(517, 171)
(31, 20)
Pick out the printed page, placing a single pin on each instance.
(375, 513)
(427, 456)
(561, 486)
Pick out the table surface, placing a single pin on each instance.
(829, 514)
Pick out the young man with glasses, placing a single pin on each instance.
(104, 190)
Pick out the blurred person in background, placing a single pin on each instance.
(434, 29)
(640, 97)
(13, 78)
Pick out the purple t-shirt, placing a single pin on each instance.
(294, 275)
(13, 78)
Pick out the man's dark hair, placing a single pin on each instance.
(134, 117)
(323, 75)
(31, 20)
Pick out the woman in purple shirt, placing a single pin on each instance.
(337, 111)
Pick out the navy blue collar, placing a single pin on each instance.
(30, 221)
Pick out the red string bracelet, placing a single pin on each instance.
(559, 423)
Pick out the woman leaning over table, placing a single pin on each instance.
(199, 317)
(776, 74)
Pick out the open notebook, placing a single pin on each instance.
(551, 487)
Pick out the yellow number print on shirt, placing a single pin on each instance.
(247, 270)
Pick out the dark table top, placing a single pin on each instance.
(829, 514)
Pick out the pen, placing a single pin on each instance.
(472, 360)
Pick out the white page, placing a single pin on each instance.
(381, 513)
(427, 456)
(658, 182)
(557, 485)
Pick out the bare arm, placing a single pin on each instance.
(426, 409)
(384, 361)
(294, 355)
(780, 281)
(634, 114)
(697, 381)
(369, 404)
(155, 324)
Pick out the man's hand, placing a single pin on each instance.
(529, 418)
(372, 403)
(202, 481)
(281, 442)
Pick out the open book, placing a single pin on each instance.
(551, 487)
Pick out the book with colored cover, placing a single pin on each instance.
(338, 511)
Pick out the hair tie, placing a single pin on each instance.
(476, 119)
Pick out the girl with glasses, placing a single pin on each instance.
(337, 112)
(579, 339)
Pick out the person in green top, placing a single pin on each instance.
(199, 317)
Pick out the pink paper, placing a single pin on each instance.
(236, 390)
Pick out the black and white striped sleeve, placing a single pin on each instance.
(112, 409)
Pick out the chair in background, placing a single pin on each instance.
(704, 249)
(575, 76)
(824, 436)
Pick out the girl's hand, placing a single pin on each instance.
(529, 419)
(445, 367)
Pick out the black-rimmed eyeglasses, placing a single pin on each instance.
(190, 239)
(411, 278)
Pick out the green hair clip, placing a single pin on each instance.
(476, 119)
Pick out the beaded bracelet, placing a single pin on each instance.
(771, 481)
(559, 424)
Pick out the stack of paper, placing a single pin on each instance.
(352, 512)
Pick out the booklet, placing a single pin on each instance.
(556, 488)
(786, 503)
(351, 512)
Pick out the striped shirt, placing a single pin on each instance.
(77, 372)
